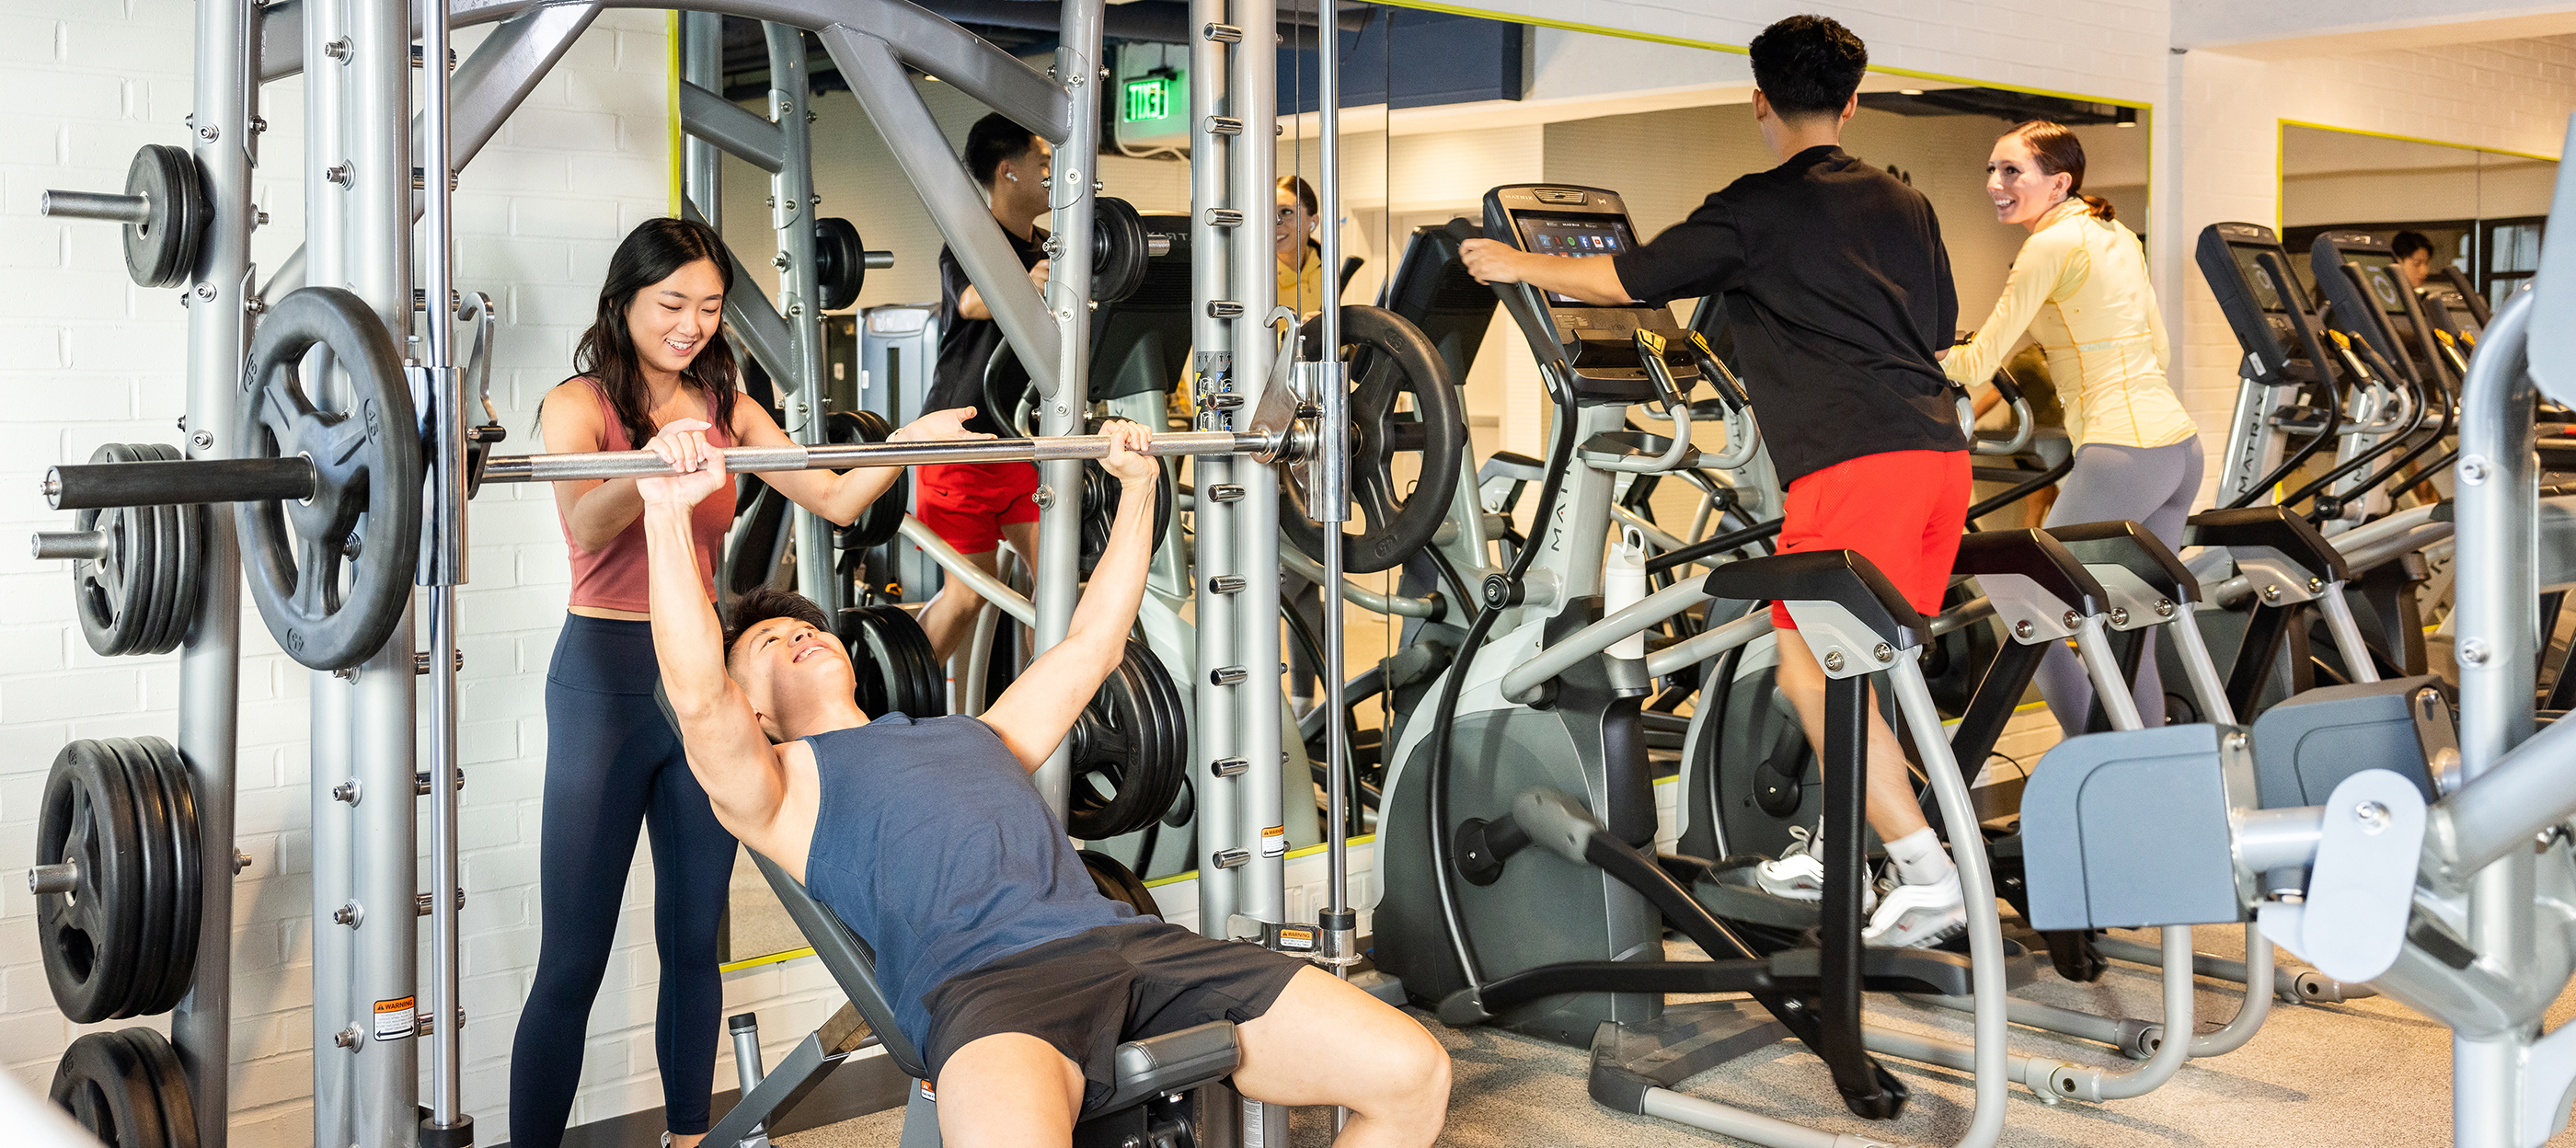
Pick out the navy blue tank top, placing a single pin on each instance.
(931, 843)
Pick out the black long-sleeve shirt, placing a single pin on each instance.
(1838, 290)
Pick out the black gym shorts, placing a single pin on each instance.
(1088, 993)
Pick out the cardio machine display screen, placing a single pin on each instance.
(2381, 273)
(2267, 294)
(1573, 235)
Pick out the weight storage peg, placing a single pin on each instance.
(164, 211)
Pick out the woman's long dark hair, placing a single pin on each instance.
(2058, 152)
(653, 252)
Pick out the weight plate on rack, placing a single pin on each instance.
(840, 262)
(161, 251)
(1119, 883)
(1100, 497)
(331, 573)
(883, 518)
(113, 594)
(188, 911)
(892, 660)
(1118, 249)
(152, 817)
(182, 545)
(89, 935)
(104, 1083)
(1123, 775)
(1390, 364)
(169, 1080)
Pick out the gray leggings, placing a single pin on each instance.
(2153, 486)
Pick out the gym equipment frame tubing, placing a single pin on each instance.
(996, 593)
(1976, 885)
(1056, 579)
(376, 140)
(210, 666)
(1255, 95)
(1591, 640)
(1332, 485)
(1356, 594)
(791, 215)
(443, 556)
(1211, 255)
(715, 123)
(335, 1067)
(702, 68)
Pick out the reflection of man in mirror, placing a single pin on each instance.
(2414, 256)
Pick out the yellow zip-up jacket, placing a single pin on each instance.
(2080, 288)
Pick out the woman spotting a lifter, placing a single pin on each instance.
(655, 354)
(2079, 288)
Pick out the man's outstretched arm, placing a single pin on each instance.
(718, 730)
(1591, 278)
(1032, 716)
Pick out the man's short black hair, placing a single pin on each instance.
(994, 139)
(2406, 243)
(766, 603)
(1808, 66)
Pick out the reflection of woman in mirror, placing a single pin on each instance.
(2079, 289)
(1301, 256)
(2414, 254)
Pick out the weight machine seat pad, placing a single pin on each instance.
(1172, 1062)
(1841, 577)
(2131, 547)
(2035, 555)
(2273, 526)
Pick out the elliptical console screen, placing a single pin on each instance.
(1573, 235)
(2267, 294)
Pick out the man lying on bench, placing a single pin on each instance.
(1006, 966)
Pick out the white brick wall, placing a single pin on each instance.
(94, 359)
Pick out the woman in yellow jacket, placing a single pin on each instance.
(2079, 289)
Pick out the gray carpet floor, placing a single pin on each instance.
(2366, 1072)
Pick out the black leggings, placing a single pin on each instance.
(612, 761)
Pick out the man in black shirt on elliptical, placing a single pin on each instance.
(1838, 289)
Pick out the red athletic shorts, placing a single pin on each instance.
(1903, 510)
(967, 503)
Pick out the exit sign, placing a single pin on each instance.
(1149, 98)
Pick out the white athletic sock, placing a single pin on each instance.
(1919, 858)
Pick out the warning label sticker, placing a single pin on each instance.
(1274, 841)
(397, 1019)
(1295, 939)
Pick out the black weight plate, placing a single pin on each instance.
(1175, 740)
(922, 686)
(869, 661)
(166, 573)
(159, 867)
(88, 936)
(103, 1083)
(113, 596)
(840, 263)
(179, 791)
(1119, 883)
(1122, 781)
(169, 1080)
(1388, 359)
(883, 518)
(331, 573)
(1010, 399)
(1100, 497)
(185, 539)
(161, 251)
(1118, 250)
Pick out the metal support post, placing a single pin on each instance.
(1332, 487)
(791, 213)
(443, 569)
(376, 139)
(1262, 891)
(1213, 225)
(1069, 199)
(327, 180)
(701, 162)
(226, 145)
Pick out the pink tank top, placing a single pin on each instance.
(613, 576)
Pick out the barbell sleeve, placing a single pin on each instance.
(594, 465)
(108, 206)
(100, 485)
(78, 545)
(876, 260)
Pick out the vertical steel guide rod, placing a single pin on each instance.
(443, 569)
(227, 95)
(1332, 506)
(1068, 294)
(791, 213)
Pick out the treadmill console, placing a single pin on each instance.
(2250, 272)
(1592, 346)
(2357, 273)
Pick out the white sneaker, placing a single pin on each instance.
(1918, 915)
(1799, 874)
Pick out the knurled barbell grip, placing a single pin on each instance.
(100, 485)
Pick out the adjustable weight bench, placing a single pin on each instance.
(1150, 1106)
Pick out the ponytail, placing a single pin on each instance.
(2098, 207)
